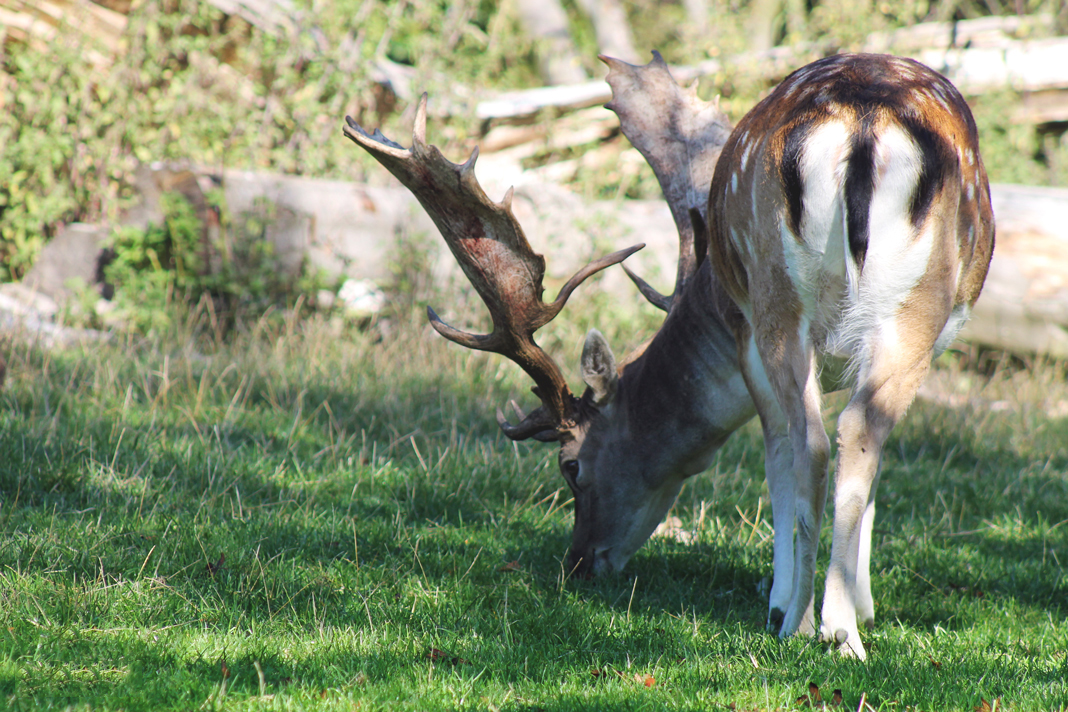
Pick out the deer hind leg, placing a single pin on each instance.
(779, 474)
(885, 388)
(864, 601)
(788, 360)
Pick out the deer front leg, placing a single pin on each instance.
(864, 600)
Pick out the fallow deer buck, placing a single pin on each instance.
(849, 229)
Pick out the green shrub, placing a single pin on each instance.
(193, 84)
(176, 264)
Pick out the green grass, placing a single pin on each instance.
(314, 517)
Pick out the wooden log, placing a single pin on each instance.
(979, 56)
(1024, 305)
(275, 17)
(351, 229)
(38, 22)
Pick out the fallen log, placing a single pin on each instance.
(358, 231)
(1024, 305)
(980, 56)
(37, 23)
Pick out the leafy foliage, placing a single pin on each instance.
(193, 84)
(178, 263)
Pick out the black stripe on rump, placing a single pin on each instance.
(858, 188)
(937, 159)
(790, 172)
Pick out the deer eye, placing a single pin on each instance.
(571, 470)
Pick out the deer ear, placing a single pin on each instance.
(599, 368)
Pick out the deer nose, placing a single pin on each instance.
(580, 564)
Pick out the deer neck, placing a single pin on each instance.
(685, 392)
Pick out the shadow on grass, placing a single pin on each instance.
(262, 495)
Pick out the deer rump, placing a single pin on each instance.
(848, 214)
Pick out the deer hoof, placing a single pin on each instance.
(775, 619)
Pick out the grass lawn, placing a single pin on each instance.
(314, 517)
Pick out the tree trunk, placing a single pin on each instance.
(796, 19)
(697, 15)
(763, 23)
(546, 23)
(610, 25)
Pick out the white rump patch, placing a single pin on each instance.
(820, 260)
(823, 166)
(896, 257)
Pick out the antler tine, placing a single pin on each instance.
(680, 137)
(654, 297)
(488, 243)
(538, 425)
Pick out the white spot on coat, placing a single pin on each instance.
(745, 155)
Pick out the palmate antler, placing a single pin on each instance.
(680, 137)
(488, 243)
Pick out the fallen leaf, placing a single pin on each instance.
(649, 681)
(510, 566)
(836, 698)
(595, 673)
(935, 664)
(225, 670)
(440, 656)
(214, 568)
(812, 697)
(991, 706)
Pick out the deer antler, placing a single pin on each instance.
(680, 137)
(488, 243)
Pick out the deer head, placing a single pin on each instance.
(612, 437)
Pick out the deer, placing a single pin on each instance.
(836, 238)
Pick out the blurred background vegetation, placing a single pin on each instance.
(190, 82)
